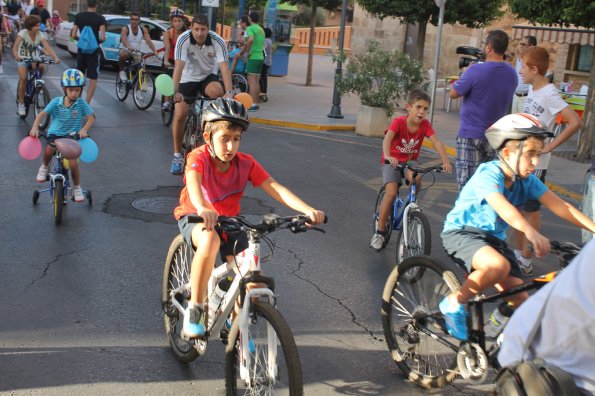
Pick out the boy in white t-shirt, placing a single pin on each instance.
(544, 103)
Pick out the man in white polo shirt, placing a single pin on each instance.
(198, 53)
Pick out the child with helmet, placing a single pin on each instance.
(474, 234)
(216, 175)
(67, 113)
(178, 26)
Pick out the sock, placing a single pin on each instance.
(177, 154)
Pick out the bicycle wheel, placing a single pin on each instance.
(40, 101)
(267, 331)
(143, 90)
(167, 115)
(176, 274)
(122, 88)
(58, 201)
(389, 222)
(239, 83)
(408, 313)
(419, 239)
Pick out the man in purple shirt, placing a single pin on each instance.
(487, 89)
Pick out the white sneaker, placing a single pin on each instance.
(79, 196)
(524, 263)
(123, 76)
(377, 242)
(42, 173)
(21, 109)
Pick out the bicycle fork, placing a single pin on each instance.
(405, 224)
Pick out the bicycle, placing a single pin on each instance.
(253, 362)
(59, 187)
(193, 129)
(414, 328)
(141, 82)
(167, 113)
(415, 235)
(36, 93)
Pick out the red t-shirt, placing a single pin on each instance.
(223, 190)
(405, 145)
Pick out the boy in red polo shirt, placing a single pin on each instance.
(402, 143)
(216, 175)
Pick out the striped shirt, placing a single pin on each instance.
(200, 61)
(67, 120)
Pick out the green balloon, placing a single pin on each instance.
(164, 85)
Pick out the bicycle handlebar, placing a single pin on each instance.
(270, 222)
(414, 169)
(43, 59)
(564, 251)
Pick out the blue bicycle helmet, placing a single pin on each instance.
(73, 78)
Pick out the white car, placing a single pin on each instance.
(109, 48)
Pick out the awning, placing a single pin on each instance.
(555, 35)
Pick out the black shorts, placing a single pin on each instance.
(194, 88)
(231, 243)
(461, 245)
(88, 64)
(534, 205)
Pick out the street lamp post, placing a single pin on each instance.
(440, 4)
(336, 108)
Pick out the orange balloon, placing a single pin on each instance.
(245, 99)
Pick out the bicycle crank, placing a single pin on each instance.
(472, 363)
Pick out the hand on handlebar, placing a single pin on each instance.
(317, 216)
(447, 167)
(34, 132)
(178, 97)
(209, 216)
(392, 161)
(541, 245)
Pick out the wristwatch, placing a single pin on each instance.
(229, 92)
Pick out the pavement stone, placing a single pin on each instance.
(292, 104)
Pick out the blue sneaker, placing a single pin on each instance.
(455, 317)
(194, 322)
(177, 165)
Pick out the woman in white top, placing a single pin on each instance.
(131, 39)
(27, 46)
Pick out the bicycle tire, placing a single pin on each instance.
(35, 197)
(239, 83)
(58, 201)
(389, 223)
(176, 273)
(408, 305)
(122, 88)
(40, 101)
(264, 318)
(167, 115)
(419, 239)
(143, 90)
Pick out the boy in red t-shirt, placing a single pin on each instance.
(216, 175)
(402, 143)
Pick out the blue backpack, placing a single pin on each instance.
(87, 42)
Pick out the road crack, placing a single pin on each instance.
(295, 273)
(49, 263)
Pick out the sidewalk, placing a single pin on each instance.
(293, 105)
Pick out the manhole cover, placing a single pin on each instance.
(156, 204)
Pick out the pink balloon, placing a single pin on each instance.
(69, 148)
(29, 148)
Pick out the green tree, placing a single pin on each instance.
(471, 13)
(314, 4)
(566, 13)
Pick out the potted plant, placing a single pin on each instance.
(381, 79)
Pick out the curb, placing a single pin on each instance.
(300, 125)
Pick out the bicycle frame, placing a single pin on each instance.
(59, 172)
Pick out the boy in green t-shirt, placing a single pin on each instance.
(255, 48)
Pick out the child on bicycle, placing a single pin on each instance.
(67, 113)
(402, 143)
(474, 232)
(216, 175)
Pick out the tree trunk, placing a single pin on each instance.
(421, 40)
(311, 45)
(585, 138)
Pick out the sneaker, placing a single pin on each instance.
(455, 317)
(166, 106)
(42, 173)
(177, 165)
(194, 322)
(21, 110)
(377, 242)
(123, 76)
(79, 196)
(254, 108)
(524, 263)
(1, 69)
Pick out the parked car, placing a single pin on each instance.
(109, 48)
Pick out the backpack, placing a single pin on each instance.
(535, 378)
(87, 42)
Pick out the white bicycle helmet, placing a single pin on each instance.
(518, 126)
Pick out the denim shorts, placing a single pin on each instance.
(231, 243)
(461, 245)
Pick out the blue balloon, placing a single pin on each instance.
(90, 150)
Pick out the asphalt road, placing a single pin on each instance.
(80, 311)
